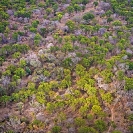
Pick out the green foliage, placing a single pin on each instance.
(116, 131)
(96, 109)
(4, 15)
(16, 55)
(23, 13)
(71, 25)
(107, 97)
(109, 19)
(67, 63)
(130, 65)
(32, 29)
(35, 23)
(88, 16)
(85, 129)
(117, 23)
(100, 125)
(56, 129)
(120, 75)
(107, 75)
(128, 83)
(79, 122)
(95, 3)
(77, 7)
(80, 70)
(15, 36)
(38, 123)
(90, 90)
(43, 31)
(81, 55)
(70, 9)
(20, 72)
(67, 47)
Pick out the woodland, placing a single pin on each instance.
(66, 66)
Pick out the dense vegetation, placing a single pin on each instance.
(66, 66)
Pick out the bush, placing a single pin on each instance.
(128, 83)
(56, 129)
(88, 16)
(130, 65)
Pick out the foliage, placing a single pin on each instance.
(128, 83)
(88, 16)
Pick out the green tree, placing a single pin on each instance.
(43, 32)
(20, 72)
(100, 125)
(128, 83)
(107, 97)
(80, 70)
(56, 129)
(77, 8)
(96, 109)
(4, 99)
(70, 9)
(67, 47)
(95, 3)
(88, 17)
(71, 25)
(79, 122)
(15, 36)
(117, 23)
(90, 90)
(35, 23)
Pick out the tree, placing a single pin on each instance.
(85, 129)
(59, 16)
(20, 107)
(55, 7)
(100, 125)
(120, 75)
(20, 72)
(4, 99)
(130, 65)
(77, 8)
(35, 23)
(48, 11)
(117, 23)
(85, 2)
(15, 36)
(70, 9)
(56, 129)
(96, 109)
(22, 63)
(90, 90)
(50, 107)
(45, 87)
(108, 13)
(95, 3)
(128, 83)
(1, 61)
(67, 47)
(109, 20)
(43, 32)
(71, 25)
(83, 110)
(116, 131)
(88, 17)
(80, 70)
(16, 55)
(107, 97)
(79, 121)
(67, 62)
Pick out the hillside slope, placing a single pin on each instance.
(66, 66)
